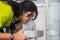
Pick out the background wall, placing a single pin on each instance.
(41, 20)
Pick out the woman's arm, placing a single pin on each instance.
(16, 36)
(5, 36)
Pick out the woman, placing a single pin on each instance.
(27, 12)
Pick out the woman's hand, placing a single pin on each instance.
(20, 35)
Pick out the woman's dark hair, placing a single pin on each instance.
(28, 6)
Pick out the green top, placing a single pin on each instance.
(6, 14)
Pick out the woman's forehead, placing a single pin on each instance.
(29, 13)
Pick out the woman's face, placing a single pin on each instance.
(26, 17)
